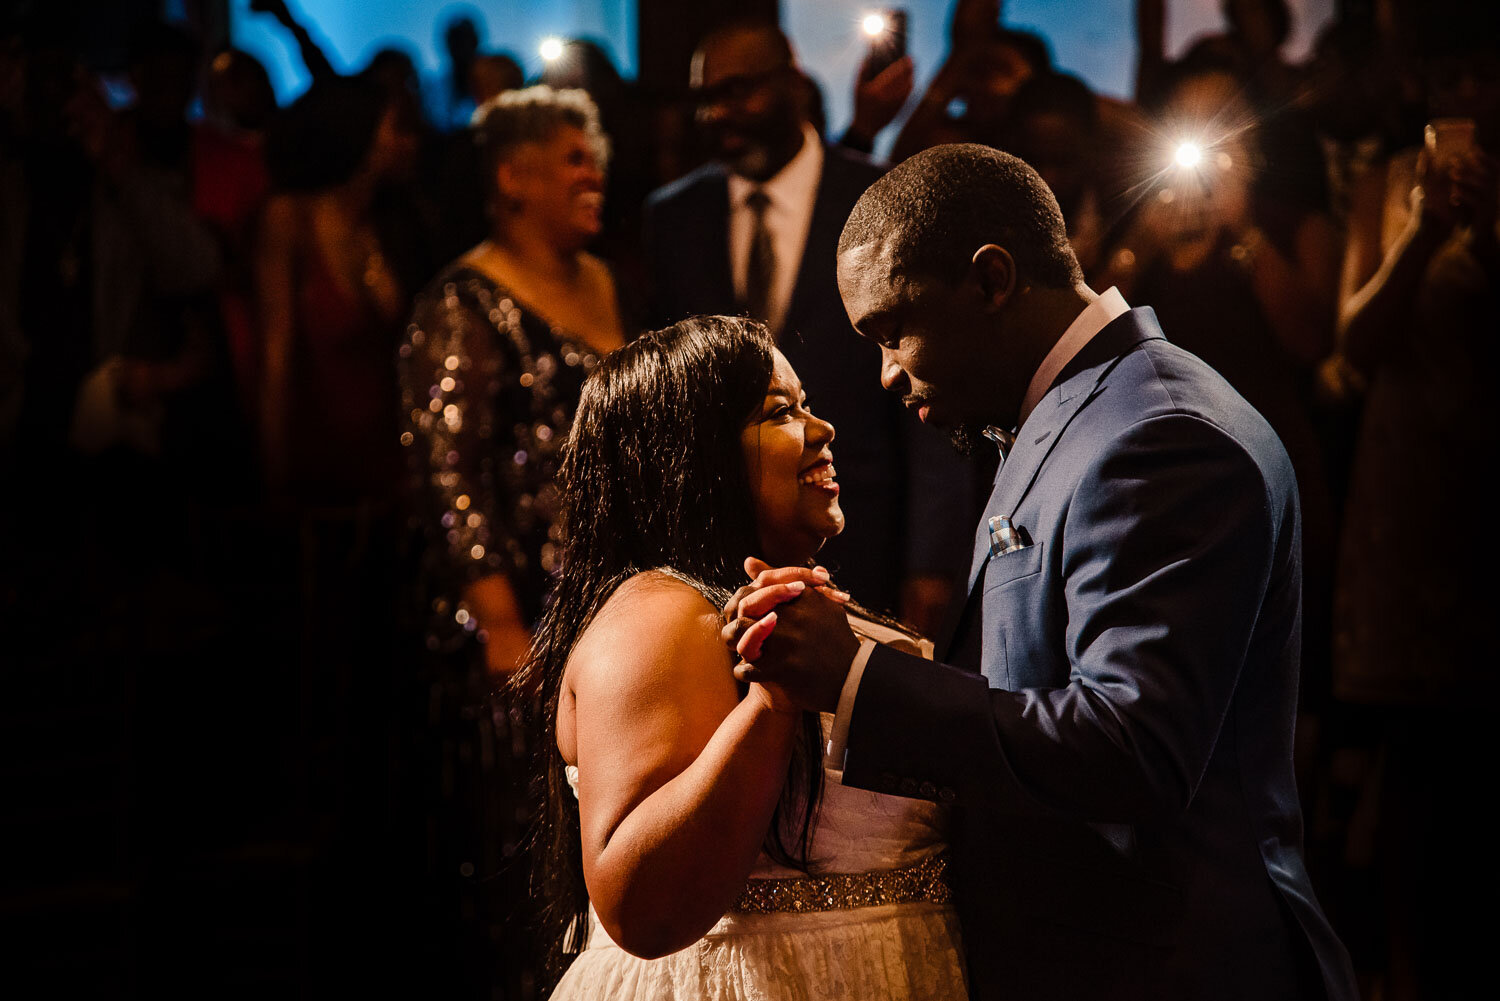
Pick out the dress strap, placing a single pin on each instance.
(926, 881)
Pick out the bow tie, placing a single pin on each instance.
(1003, 441)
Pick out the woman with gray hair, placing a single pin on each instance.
(492, 365)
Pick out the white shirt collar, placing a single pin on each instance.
(1095, 317)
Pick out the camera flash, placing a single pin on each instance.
(874, 24)
(1188, 155)
(551, 48)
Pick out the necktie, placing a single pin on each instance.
(760, 269)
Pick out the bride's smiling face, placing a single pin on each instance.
(790, 465)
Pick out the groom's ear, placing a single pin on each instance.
(993, 270)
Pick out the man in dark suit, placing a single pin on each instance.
(755, 232)
(1112, 719)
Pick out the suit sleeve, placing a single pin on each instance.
(1167, 550)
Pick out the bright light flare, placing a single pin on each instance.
(551, 49)
(873, 24)
(1188, 155)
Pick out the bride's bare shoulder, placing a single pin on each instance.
(653, 627)
(660, 595)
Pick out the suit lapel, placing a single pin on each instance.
(715, 248)
(1033, 445)
(827, 213)
(1079, 384)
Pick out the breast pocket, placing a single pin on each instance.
(1007, 603)
(1013, 566)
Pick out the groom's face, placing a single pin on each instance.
(931, 335)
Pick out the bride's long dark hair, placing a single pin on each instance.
(653, 476)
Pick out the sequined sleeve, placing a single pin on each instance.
(453, 370)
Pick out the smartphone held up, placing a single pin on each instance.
(886, 31)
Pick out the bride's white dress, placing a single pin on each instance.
(897, 951)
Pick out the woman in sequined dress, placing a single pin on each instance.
(497, 349)
(493, 361)
(694, 843)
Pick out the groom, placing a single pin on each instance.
(1112, 719)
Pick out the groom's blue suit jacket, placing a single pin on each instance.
(1113, 720)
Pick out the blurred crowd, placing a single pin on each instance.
(282, 391)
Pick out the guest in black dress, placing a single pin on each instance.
(494, 359)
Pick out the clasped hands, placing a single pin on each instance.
(788, 628)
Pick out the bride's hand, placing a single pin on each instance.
(749, 615)
(774, 580)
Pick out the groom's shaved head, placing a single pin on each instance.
(938, 207)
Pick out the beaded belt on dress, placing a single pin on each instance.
(923, 882)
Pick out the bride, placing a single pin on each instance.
(694, 846)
